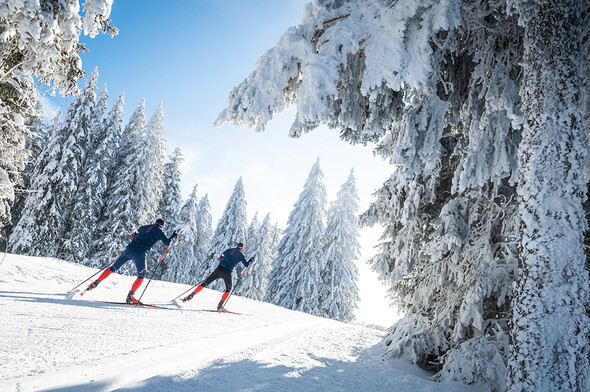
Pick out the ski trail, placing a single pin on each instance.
(191, 355)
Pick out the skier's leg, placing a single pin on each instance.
(210, 279)
(226, 276)
(139, 260)
(122, 259)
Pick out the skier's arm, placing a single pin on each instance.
(165, 239)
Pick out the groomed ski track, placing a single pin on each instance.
(50, 343)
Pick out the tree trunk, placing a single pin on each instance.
(549, 331)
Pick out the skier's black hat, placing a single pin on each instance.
(160, 222)
(240, 245)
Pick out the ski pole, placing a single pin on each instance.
(148, 283)
(237, 283)
(87, 279)
(192, 288)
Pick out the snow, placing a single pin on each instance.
(54, 344)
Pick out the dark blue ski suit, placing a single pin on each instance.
(142, 241)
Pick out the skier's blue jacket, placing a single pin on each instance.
(231, 257)
(146, 236)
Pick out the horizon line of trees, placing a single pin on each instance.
(93, 180)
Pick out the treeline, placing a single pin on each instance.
(93, 179)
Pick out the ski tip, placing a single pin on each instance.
(71, 294)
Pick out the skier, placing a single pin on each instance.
(141, 242)
(230, 258)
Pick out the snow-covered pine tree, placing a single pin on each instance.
(103, 179)
(252, 231)
(295, 281)
(181, 257)
(168, 208)
(204, 232)
(154, 145)
(340, 293)
(231, 229)
(435, 86)
(38, 135)
(251, 237)
(77, 127)
(34, 233)
(128, 205)
(59, 181)
(88, 202)
(17, 106)
(549, 323)
(26, 52)
(256, 278)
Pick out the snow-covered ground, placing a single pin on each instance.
(54, 344)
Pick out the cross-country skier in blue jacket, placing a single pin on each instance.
(230, 258)
(141, 242)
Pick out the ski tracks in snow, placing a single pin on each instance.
(187, 356)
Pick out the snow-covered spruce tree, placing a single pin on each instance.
(295, 281)
(340, 293)
(256, 278)
(550, 327)
(34, 232)
(103, 178)
(17, 106)
(251, 237)
(34, 144)
(77, 127)
(59, 181)
(38, 39)
(204, 232)
(435, 86)
(181, 257)
(128, 203)
(169, 207)
(88, 202)
(231, 229)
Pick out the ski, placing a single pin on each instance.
(220, 311)
(142, 304)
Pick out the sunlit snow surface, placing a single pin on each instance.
(51, 343)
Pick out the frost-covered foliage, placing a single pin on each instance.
(17, 105)
(437, 86)
(180, 260)
(295, 281)
(82, 213)
(35, 231)
(340, 293)
(231, 229)
(254, 281)
(204, 232)
(40, 38)
(168, 209)
(57, 182)
(104, 181)
(37, 38)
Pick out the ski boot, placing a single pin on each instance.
(132, 300)
(188, 297)
(93, 285)
(220, 306)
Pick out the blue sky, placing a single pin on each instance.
(189, 54)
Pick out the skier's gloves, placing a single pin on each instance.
(175, 234)
(251, 260)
